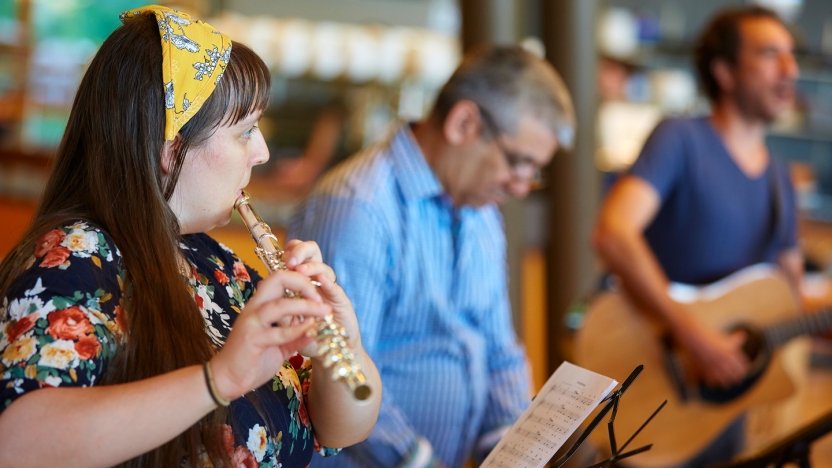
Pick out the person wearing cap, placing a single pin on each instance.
(412, 228)
(127, 336)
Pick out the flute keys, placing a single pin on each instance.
(324, 349)
(331, 338)
(342, 371)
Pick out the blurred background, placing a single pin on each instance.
(345, 71)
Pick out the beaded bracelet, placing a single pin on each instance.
(212, 387)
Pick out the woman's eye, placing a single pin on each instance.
(248, 132)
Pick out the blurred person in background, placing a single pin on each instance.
(412, 228)
(322, 149)
(703, 199)
(127, 335)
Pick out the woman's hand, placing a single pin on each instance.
(339, 419)
(255, 348)
(305, 258)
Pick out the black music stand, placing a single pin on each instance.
(617, 452)
(793, 448)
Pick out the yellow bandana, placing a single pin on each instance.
(191, 53)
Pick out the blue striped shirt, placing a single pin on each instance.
(429, 286)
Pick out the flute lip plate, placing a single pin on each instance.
(242, 199)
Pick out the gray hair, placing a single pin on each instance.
(508, 83)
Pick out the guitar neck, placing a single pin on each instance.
(779, 333)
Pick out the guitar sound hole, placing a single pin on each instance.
(758, 357)
(755, 343)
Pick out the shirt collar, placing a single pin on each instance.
(415, 176)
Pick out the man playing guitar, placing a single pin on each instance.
(705, 199)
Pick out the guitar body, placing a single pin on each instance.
(616, 337)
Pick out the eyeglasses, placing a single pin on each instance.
(521, 167)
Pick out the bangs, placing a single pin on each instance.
(245, 86)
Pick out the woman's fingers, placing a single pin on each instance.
(252, 354)
(277, 311)
(255, 343)
(342, 308)
(291, 338)
(313, 269)
(331, 292)
(297, 252)
(274, 287)
(293, 243)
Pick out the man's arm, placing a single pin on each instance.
(508, 378)
(619, 240)
(790, 258)
(791, 262)
(354, 244)
(508, 373)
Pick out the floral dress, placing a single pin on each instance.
(62, 321)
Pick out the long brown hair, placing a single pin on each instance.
(108, 171)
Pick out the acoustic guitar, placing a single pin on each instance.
(616, 337)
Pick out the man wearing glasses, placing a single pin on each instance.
(412, 229)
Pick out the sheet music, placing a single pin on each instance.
(568, 397)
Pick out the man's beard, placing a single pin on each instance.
(753, 108)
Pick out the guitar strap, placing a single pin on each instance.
(777, 208)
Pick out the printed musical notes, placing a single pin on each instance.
(568, 397)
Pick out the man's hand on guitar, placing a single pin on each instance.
(717, 358)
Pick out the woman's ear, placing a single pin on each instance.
(463, 123)
(169, 148)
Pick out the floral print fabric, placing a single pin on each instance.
(62, 321)
(194, 57)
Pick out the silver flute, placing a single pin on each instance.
(330, 337)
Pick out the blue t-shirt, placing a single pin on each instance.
(714, 219)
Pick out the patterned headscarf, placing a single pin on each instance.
(192, 52)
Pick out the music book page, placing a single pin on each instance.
(568, 397)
